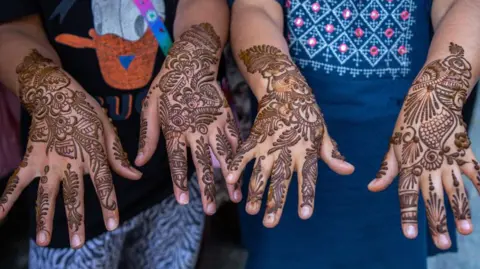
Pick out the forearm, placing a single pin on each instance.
(459, 26)
(254, 23)
(18, 39)
(213, 12)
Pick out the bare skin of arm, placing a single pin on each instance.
(70, 135)
(430, 148)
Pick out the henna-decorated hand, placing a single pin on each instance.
(186, 101)
(430, 148)
(289, 134)
(69, 136)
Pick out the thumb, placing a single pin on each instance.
(149, 129)
(387, 172)
(330, 154)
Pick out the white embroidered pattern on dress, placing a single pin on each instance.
(353, 37)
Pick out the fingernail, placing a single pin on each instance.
(251, 207)
(373, 182)
(76, 241)
(306, 211)
(411, 231)
(230, 177)
(465, 225)
(42, 237)
(135, 171)
(211, 208)
(183, 198)
(139, 156)
(443, 240)
(237, 195)
(111, 224)
(270, 219)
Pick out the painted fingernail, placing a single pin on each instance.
(111, 224)
(237, 195)
(465, 225)
(211, 208)
(42, 237)
(443, 240)
(76, 241)
(411, 231)
(306, 211)
(183, 198)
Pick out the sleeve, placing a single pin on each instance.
(16, 9)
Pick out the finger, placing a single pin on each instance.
(224, 153)
(258, 182)
(233, 135)
(333, 158)
(117, 157)
(102, 181)
(244, 154)
(408, 193)
(387, 172)
(177, 158)
(203, 164)
(307, 180)
(20, 179)
(45, 206)
(72, 187)
(277, 192)
(470, 167)
(150, 121)
(432, 191)
(455, 189)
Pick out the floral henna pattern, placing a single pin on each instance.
(224, 148)
(202, 153)
(460, 205)
(71, 185)
(287, 110)
(64, 120)
(119, 153)
(335, 153)
(190, 98)
(309, 177)
(42, 203)
(431, 121)
(13, 181)
(255, 189)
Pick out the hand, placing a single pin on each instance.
(188, 104)
(430, 148)
(70, 136)
(289, 134)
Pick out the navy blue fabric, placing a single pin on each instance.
(360, 96)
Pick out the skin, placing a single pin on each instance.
(70, 136)
(186, 103)
(430, 148)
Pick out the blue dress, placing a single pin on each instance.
(360, 58)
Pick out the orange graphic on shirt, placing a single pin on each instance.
(124, 64)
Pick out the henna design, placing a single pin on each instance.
(431, 117)
(142, 141)
(64, 120)
(223, 146)
(233, 129)
(190, 98)
(42, 203)
(476, 165)
(335, 153)
(460, 207)
(288, 109)
(202, 153)
(119, 153)
(255, 189)
(383, 168)
(437, 218)
(309, 176)
(71, 185)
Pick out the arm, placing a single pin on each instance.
(430, 140)
(192, 110)
(289, 132)
(69, 134)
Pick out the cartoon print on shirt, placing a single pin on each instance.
(126, 48)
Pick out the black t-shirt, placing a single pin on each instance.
(108, 48)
